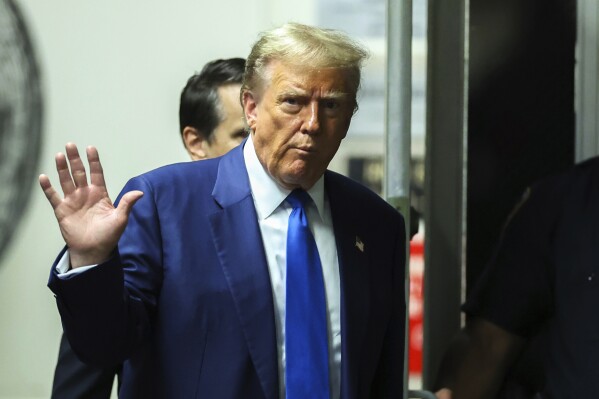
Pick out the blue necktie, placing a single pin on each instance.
(306, 343)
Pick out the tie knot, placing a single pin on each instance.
(298, 198)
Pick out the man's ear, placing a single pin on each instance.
(250, 104)
(195, 143)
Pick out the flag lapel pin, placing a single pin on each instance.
(359, 244)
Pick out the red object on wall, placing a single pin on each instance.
(416, 304)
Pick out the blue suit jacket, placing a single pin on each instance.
(187, 298)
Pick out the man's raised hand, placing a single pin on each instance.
(90, 225)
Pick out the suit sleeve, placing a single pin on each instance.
(75, 379)
(106, 311)
(515, 290)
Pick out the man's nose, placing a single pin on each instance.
(311, 122)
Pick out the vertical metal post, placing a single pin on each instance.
(445, 181)
(398, 120)
(398, 103)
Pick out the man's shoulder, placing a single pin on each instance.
(580, 180)
(587, 170)
(355, 193)
(181, 173)
(175, 182)
(349, 186)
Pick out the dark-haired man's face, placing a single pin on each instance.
(229, 133)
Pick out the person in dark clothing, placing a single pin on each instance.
(543, 279)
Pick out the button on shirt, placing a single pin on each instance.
(273, 215)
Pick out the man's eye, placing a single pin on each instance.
(331, 104)
(291, 101)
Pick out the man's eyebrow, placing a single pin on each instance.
(292, 92)
(330, 95)
(335, 95)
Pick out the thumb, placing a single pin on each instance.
(128, 200)
(444, 393)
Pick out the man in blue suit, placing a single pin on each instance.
(189, 285)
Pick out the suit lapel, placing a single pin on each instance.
(355, 285)
(239, 247)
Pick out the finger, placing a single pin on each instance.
(127, 201)
(49, 191)
(96, 173)
(64, 175)
(77, 167)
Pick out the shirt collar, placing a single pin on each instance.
(268, 195)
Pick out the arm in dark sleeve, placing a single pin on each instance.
(515, 291)
(106, 310)
(75, 379)
(510, 302)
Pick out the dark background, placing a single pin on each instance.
(520, 109)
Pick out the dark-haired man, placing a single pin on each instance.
(210, 114)
(211, 124)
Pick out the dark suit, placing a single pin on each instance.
(74, 379)
(197, 315)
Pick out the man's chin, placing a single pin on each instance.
(304, 181)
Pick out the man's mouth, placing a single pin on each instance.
(306, 149)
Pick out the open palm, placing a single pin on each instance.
(90, 225)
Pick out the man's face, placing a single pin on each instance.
(229, 133)
(298, 121)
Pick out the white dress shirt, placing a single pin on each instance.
(273, 216)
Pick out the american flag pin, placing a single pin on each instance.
(359, 244)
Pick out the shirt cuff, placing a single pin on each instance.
(63, 267)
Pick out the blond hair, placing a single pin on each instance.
(299, 44)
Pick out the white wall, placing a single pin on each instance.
(587, 83)
(112, 71)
